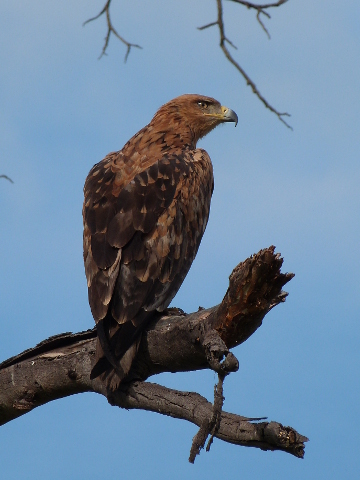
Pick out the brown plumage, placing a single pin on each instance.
(145, 211)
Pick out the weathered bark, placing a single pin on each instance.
(61, 365)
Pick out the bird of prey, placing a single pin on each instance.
(145, 211)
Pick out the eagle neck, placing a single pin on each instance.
(174, 131)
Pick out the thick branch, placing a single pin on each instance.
(196, 409)
(61, 365)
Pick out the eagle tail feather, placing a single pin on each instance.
(116, 349)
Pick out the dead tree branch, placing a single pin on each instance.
(61, 365)
(110, 29)
(224, 40)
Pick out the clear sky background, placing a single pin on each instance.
(62, 110)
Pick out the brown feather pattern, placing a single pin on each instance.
(145, 211)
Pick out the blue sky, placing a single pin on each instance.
(62, 111)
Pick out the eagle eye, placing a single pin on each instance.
(203, 104)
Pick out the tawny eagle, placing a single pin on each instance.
(145, 211)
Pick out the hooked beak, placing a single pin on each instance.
(229, 115)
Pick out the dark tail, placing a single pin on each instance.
(117, 345)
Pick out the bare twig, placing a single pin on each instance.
(111, 29)
(261, 6)
(7, 178)
(260, 10)
(223, 40)
(261, 22)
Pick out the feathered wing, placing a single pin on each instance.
(142, 228)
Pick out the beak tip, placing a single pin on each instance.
(230, 116)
